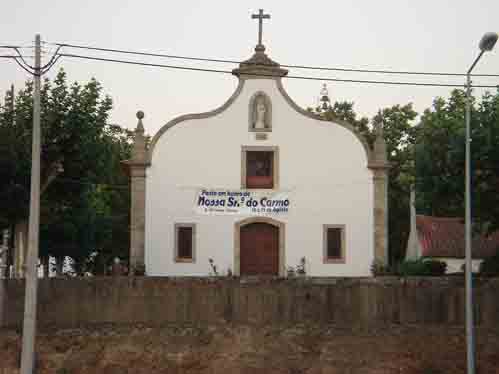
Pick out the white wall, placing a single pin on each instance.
(455, 265)
(323, 164)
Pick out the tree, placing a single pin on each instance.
(80, 159)
(343, 111)
(440, 159)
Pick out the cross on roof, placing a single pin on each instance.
(260, 16)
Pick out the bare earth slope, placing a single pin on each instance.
(248, 349)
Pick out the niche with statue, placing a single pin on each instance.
(260, 113)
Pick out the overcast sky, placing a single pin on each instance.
(424, 35)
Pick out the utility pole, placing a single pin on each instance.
(29, 325)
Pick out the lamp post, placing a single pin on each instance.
(486, 44)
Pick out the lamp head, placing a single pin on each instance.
(488, 41)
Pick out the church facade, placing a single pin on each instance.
(258, 186)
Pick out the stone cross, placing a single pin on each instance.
(260, 17)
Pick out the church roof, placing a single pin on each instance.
(444, 237)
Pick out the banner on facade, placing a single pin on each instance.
(244, 202)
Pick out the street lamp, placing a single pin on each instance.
(486, 44)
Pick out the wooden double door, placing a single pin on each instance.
(259, 249)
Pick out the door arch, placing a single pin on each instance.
(259, 247)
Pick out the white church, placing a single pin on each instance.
(275, 187)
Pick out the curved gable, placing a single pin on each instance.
(344, 124)
(186, 117)
(231, 100)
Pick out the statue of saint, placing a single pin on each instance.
(260, 114)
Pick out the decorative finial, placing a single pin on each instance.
(139, 140)
(325, 102)
(140, 126)
(324, 91)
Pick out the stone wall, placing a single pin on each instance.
(155, 301)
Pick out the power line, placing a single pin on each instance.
(288, 76)
(20, 60)
(146, 53)
(374, 71)
(17, 46)
(23, 67)
(144, 63)
(15, 56)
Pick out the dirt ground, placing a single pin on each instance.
(252, 350)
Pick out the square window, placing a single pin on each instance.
(334, 243)
(259, 169)
(184, 242)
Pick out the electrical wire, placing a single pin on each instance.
(52, 61)
(23, 60)
(56, 56)
(17, 46)
(374, 71)
(19, 59)
(288, 76)
(23, 67)
(14, 56)
(48, 66)
(145, 53)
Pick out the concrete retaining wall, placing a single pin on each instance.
(158, 301)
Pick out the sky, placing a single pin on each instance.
(437, 35)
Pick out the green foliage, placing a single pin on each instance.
(421, 267)
(490, 266)
(379, 269)
(412, 267)
(85, 198)
(343, 112)
(440, 159)
(407, 268)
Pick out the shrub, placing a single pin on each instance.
(379, 268)
(436, 268)
(490, 266)
(422, 267)
(412, 267)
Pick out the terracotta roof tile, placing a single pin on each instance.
(444, 237)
